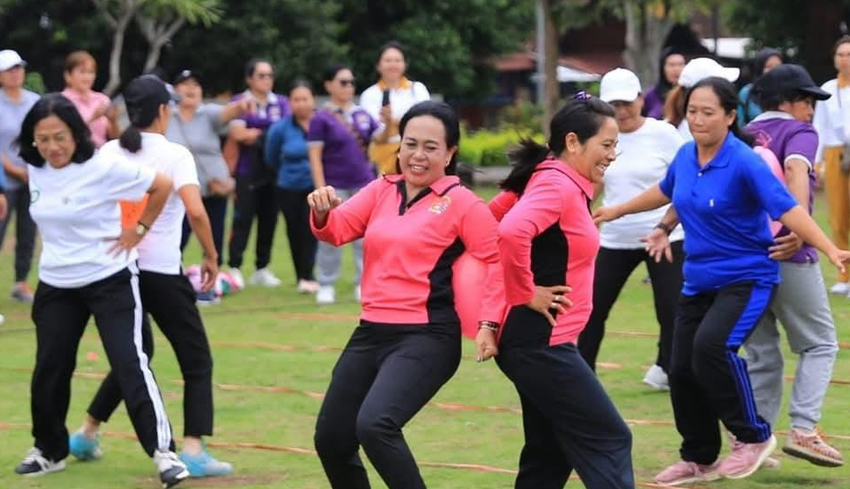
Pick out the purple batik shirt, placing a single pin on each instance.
(345, 164)
(786, 136)
(276, 109)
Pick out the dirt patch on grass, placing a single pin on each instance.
(235, 480)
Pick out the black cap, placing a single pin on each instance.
(187, 75)
(787, 79)
(143, 96)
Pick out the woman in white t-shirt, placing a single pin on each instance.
(88, 268)
(166, 293)
(401, 95)
(645, 149)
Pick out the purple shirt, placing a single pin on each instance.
(653, 104)
(345, 163)
(786, 136)
(276, 109)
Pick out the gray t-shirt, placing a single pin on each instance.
(201, 136)
(11, 117)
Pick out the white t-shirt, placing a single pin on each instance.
(645, 155)
(684, 130)
(159, 250)
(78, 216)
(401, 100)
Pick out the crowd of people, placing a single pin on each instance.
(709, 186)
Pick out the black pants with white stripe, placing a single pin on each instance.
(170, 299)
(60, 317)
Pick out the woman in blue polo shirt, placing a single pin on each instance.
(723, 192)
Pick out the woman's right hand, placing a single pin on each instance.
(548, 298)
(606, 214)
(322, 200)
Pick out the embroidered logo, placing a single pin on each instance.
(34, 195)
(440, 205)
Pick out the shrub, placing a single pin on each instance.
(489, 148)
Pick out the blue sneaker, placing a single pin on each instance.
(84, 448)
(204, 465)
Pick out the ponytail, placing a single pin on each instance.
(131, 139)
(525, 158)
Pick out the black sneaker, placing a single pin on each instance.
(34, 464)
(171, 469)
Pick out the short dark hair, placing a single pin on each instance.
(728, 97)
(55, 104)
(333, 69)
(445, 114)
(392, 45)
(845, 39)
(251, 66)
(301, 83)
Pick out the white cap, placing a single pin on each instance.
(699, 69)
(9, 59)
(619, 84)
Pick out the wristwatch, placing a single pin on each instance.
(141, 228)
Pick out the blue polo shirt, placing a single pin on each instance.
(724, 208)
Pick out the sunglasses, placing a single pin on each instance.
(347, 82)
(264, 75)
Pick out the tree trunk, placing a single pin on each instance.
(645, 32)
(154, 51)
(115, 56)
(552, 92)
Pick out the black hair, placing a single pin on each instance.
(141, 116)
(445, 114)
(251, 66)
(663, 85)
(333, 69)
(301, 83)
(583, 117)
(845, 39)
(774, 101)
(392, 45)
(761, 58)
(55, 104)
(728, 97)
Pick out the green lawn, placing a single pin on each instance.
(273, 348)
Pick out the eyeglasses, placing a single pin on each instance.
(264, 75)
(58, 138)
(349, 82)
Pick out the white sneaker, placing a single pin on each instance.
(656, 378)
(840, 288)
(171, 469)
(308, 286)
(34, 464)
(326, 295)
(237, 277)
(265, 278)
(357, 295)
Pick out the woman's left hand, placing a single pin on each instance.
(485, 345)
(128, 240)
(838, 258)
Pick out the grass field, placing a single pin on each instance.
(274, 351)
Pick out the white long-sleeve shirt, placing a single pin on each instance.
(832, 118)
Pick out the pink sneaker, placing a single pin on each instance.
(683, 472)
(746, 458)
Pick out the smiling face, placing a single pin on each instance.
(190, 92)
(423, 155)
(708, 121)
(54, 141)
(391, 66)
(81, 77)
(592, 158)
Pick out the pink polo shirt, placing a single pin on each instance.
(547, 237)
(410, 244)
(87, 105)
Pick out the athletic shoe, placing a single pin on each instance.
(746, 458)
(236, 276)
(34, 464)
(326, 295)
(811, 446)
(204, 465)
(171, 469)
(22, 294)
(308, 286)
(656, 378)
(207, 298)
(840, 288)
(357, 295)
(683, 472)
(84, 448)
(265, 278)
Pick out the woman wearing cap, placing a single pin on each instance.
(415, 226)
(645, 149)
(15, 102)
(80, 72)
(670, 67)
(832, 122)
(547, 238)
(165, 292)
(697, 69)
(399, 93)
(286, 152)
(88, 268)
(339, 136)
(255, 186)
(765, 60)
(722, 190)
(197, 126)
(787, 95)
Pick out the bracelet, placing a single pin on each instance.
(494, 327)
(664, 227)
(147, 228)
